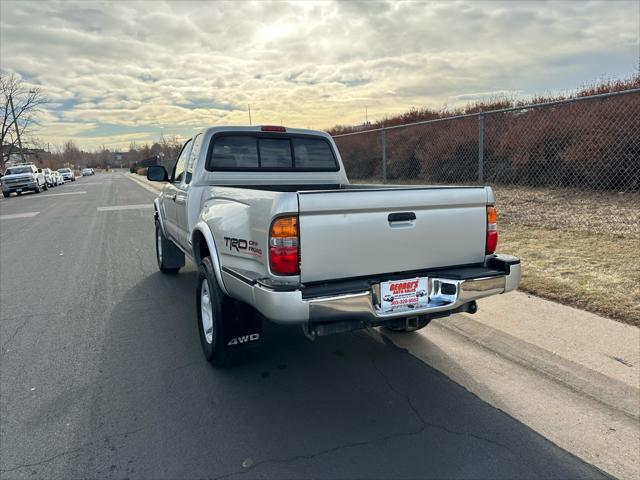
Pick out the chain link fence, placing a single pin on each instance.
(571, 164)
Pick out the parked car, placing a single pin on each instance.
(58, 177)
(67, 174)
(22, 178)
(241, 200)
(48, 176)
(87, 172)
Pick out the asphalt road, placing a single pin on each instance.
(102, 376)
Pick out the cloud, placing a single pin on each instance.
(181, 66)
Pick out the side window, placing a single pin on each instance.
(193, 158)
(178, 170)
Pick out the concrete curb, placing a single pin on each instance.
(144, 183)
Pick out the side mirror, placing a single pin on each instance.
(157, 173)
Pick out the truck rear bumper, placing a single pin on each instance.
(324, 304)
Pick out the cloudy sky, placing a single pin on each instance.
(117, 72)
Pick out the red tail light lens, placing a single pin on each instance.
(492, 231)
(283, 246)
(273, 128)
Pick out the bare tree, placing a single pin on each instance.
(18, 105)
(72, 156)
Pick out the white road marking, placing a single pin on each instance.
(125, 207)
(55, 194)
(18, 215)
(82, 184)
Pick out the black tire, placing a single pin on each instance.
(45, 187)
(18, 193)
(6, 194)
(215, 350)
(163, 244)
(38, 189)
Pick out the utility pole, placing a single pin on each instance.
(15, 124)
(249, 105)
(366, 116)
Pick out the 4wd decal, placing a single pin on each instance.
(241, 245)
(244, 339)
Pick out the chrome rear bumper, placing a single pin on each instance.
(292, 307)
(364, 306)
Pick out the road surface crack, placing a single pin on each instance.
(72, 451)
(423, 425)
(41, 462)
(17, 330)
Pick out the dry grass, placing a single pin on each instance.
(571, 209)
(595, 272)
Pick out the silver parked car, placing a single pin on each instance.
(58, 178)
(49, 177)
(67, 174)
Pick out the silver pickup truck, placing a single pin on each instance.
(276, 230)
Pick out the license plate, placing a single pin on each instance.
(404, 295)
(18, 189)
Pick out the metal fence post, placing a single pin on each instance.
(481, 148)
(383, 143)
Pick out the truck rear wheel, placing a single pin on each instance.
(214, 313)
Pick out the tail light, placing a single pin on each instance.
(283, 246)
(492, 231)
(272, 128)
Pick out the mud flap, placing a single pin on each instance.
(245, 328)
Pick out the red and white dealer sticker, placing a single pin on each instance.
(403, 295)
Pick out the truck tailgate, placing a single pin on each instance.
(353, 233)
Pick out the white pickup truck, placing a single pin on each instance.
(268, 216)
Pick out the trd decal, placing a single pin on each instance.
(241, 245)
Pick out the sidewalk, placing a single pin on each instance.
(571, 375)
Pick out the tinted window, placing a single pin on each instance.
(235, 152)
(16, 170)
(275, 153)
(313, 153)
(250, 152)
(178, 170)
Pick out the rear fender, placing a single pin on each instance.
(204, 229)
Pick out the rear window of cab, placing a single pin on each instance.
(250, 152)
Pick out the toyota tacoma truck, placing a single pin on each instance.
(277, 232)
